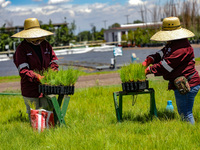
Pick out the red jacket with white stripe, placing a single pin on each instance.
(174, 60)
(27, 61)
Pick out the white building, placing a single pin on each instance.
(115, 34)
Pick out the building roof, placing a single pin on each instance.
(135, 26)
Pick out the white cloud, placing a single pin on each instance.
(4, 3)
(98, 6)
(83, 15)
(19, 10)
(47, 12)
(57, 1)
(87, 10)
(136, 2)
(72, 13)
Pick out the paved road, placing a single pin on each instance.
(91, 59)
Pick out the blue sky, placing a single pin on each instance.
(85, 13)
(27, 2)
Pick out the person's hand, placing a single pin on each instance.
(38, 76)
(148, 61)
(147, 71)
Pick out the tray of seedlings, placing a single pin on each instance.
(59, 82)
(133, 77)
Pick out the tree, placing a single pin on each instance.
(99, 35)
(115, 25)
(93, 33)
(84, 36)
(62, 35)
(138, 34)
(137, 21)
(49, 27)
(65, 34)
(72, 28)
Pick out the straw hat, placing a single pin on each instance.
(171, 30)
(32, 30)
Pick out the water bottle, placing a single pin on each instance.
(169, 107)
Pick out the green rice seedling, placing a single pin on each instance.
(62, 77)
(52, 77)
(44, 80)
(132, 72)
(75, 75)
(68, 76)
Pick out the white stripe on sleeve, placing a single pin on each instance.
(56, 61)
(166, 66)
(22, 66)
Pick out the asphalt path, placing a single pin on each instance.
(91, 59)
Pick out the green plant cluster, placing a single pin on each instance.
(5, 39)
(62, 77)
(132, 72)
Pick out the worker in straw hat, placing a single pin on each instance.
(175, 62)
(34, 54)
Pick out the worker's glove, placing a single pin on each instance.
(148, 61)
(38, 77)
(147, 71)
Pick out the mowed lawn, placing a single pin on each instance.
(91, 123)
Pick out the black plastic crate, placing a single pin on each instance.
(135, 86)
(48, 89)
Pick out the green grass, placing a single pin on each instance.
(9, 79)
(197, 61)
(91, 123)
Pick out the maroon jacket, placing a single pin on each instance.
(27, 61)
(174, 60)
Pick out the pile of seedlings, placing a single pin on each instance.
(133, 77)
(58, 82)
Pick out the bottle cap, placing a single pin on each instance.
(169, 102)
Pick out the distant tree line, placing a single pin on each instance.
(64, 35)
(92, 35)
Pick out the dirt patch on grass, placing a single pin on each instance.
(83, 81)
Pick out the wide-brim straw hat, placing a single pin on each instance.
(32, 30)
(171, 30)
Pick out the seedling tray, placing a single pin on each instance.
(48, 89)
(135, 86)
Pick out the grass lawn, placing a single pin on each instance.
(92, 124)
